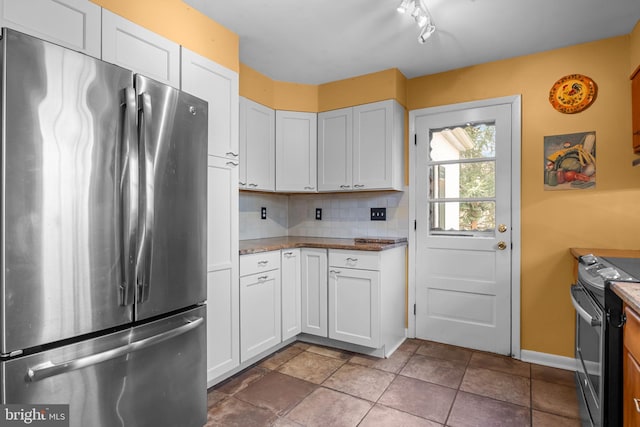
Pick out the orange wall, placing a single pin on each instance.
(181, 23)
(554, 221)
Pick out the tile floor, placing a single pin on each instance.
(422, 384)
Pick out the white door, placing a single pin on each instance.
(290, 278)
(314, 291)
(219, 87)
(335, 150)
(296, 151)
(223, 292)
(71, 23)
(257, 146)
(463, 237)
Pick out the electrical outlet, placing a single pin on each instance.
(263, 213)
(318, 214)
(378, 214)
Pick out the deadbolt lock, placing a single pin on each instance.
(502, 228)
(502, 245)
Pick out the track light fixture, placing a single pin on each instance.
(418, 11)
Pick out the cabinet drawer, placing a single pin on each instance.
(363, 260)
(631, 337)
(257, 263)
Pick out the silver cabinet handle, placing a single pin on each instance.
(359, 186)
(253, 185)
(345, 186)
(637, 402)
(581, 311)
(352, 259)
(289, 254)
(234, 164)
(309, 188)
(263, 263)
(242, 184)
(232, 154)
(129, 199)
(335, 271)
(147, 168)
(48, 369)
(262, 278)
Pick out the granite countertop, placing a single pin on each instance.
(629, 292)
(287, 242)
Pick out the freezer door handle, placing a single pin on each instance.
(49, 369)
(146, 199)
(129, 198)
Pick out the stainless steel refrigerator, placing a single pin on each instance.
(103, 225)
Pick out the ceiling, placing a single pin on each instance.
(318, 41)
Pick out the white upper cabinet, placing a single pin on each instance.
(296, 151)
(136, 48)
(219, 87)
(257, 146)
(361, 148)
(70, 23)
(335, 147)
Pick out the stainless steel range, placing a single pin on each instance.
(599, 322)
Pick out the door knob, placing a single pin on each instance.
(502, 228)
(502, 245)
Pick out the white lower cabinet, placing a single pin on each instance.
(354, 306)
(260, 303)
(314, 291)
(290, 277)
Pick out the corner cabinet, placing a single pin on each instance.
(134, 47)
(361, 148)
(296, 151)
(257, 146)
(260, 302)
(219, 87)
(70, 23)
(635, 110)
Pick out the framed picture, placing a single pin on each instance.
(570, 161)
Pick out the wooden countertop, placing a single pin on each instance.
(629, 292)
(287, 242)
(613, 253)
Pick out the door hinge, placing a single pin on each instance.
(414, 309)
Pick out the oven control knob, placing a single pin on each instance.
(502, 245)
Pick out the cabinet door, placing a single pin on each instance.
(631, 390)
(223, 294)
(70, 23)
(219, 87)
(140, 50)
(635, 111)
(354, 306)
(314, 291)
(335, 141)
(260, 327)
(257, 146)
(290, 276)
(296, 151)
(376, 140)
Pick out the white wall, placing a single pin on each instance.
(344, 215)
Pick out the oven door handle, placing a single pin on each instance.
(581, 311)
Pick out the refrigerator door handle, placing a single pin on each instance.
(146, 198)
(49, 369)
(129, 198)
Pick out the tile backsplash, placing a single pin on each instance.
(344, 215)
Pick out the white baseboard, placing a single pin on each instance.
(546, 359)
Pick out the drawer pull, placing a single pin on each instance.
(352, 259)
(262, 278)
(263, 262)
(335, 271)
(637, 402)
(288, 254)
(234, 164)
